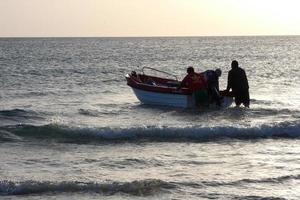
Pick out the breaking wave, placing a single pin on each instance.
(273, 180)
(14, 112)
(6, 136)
(150, 133)
(17, 114)
(137, 188)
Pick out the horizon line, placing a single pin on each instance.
(162, 36)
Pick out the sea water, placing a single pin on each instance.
(70, 127)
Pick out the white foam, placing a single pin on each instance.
(153, 133)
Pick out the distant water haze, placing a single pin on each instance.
(96, 18)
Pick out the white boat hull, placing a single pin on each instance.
(164, 99)
(160, 92)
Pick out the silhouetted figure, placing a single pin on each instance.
(212, 80)
(238, 82)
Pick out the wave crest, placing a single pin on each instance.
(153, 133)
(16, 116)
(273, 180)
(13, 112)
(137, 188)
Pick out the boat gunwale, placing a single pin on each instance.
(132, 82)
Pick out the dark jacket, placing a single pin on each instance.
(237, 80)
(212, 79)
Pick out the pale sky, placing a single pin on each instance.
(113, 18)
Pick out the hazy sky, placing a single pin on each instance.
(148, 17)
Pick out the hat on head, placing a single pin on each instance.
(218, 72)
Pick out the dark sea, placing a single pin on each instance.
(70, 127)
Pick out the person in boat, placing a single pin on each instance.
(212, 79)
(238, 83)
(196, 83)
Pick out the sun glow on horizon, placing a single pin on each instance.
(271, 14)
(148, 17)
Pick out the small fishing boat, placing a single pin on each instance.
(155, 90)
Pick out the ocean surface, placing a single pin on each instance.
(70, 127)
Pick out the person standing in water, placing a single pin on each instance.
(196, 83)
(212, 79)
(238, 83)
